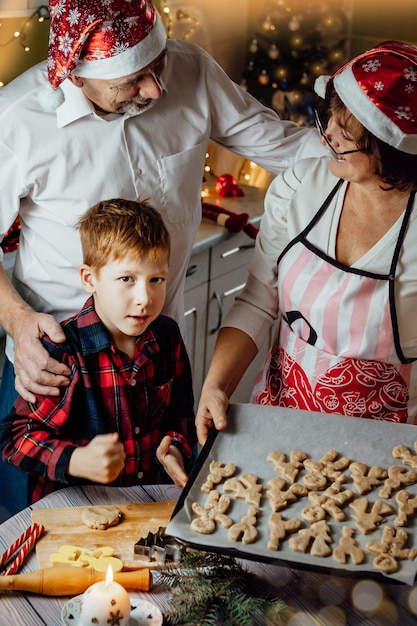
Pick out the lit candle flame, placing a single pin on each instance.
(109, 575)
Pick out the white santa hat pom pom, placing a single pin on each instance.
(320, 85)
(49, 98)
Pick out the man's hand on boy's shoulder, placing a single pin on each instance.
(36, 372)
(171, 459)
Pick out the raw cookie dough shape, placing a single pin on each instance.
(367, 521)
(407, 457)
(348, 547)
(101, 517)
(213, 512)
(330, 501)
(280, 495)
(397, 477)
(366, 478)
(407, 507)
(390, 550)
(330, 468)
(246, 488)
(218, 471)
(288, 470)
(279, 528)
(245, 530)
(316, 538)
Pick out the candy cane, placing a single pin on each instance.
(27, 541)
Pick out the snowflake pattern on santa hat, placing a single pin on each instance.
(379, 87)
(387, 79)
(94, 31)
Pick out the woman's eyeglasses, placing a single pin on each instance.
(321, 119)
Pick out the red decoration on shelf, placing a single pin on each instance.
(235, 222)
(226, 186)
(11, 238)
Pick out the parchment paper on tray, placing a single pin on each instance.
(253, 432)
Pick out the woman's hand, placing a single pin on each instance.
(211, 412)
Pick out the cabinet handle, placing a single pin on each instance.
(246, 246)
(191, 270)
(220, 313)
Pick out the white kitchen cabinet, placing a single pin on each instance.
(228, 273)
(195, 303)
(214, 279)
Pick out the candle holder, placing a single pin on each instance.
(142, 613)
(104, 603)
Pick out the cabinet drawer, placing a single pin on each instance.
(230, 254)
(198, 270)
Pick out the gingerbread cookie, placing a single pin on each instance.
(213, 512)
(390, 550)
(246, 488)
(279, 495)
(348, 547)
(279, 528)
(329, 468)
(397, 477)
(366, 478)
(245, 530)
(367, 521)
(218, 471)
(288, 470)
(316, 539)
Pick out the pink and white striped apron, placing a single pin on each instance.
(338, 347)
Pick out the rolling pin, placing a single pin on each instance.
(70, 581)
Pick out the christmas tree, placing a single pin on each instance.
(293, 43)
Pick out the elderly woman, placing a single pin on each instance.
(336, 261)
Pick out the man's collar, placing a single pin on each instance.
(75, 106)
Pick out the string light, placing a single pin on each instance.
(40, 15)
(180, 16)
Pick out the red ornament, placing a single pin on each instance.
(226, 186)
(11, 239)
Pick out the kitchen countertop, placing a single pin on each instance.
(209, 234)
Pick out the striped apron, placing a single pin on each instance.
(337, 348)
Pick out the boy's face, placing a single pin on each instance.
(128, 294)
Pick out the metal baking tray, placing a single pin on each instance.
(252, 433)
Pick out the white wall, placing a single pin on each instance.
(19, 8)
(220, 26)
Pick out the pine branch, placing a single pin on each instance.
(209, 589)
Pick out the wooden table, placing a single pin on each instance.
(315, 599)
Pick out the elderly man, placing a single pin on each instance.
(116, 111)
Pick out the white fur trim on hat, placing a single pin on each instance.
(369, 115)
(129, 61)
(320, 85)
(50, 99)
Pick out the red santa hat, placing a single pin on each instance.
(102, 39)
(379, 87)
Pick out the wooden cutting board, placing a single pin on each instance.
(64, 526)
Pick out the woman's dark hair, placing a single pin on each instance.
(396, 169)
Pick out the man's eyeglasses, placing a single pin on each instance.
(321, 119)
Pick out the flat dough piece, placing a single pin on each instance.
(101, 517)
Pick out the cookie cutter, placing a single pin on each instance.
(158, 547)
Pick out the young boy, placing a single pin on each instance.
(130, 402)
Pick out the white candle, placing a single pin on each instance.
(105, 603)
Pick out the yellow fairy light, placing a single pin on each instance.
(41, 14)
